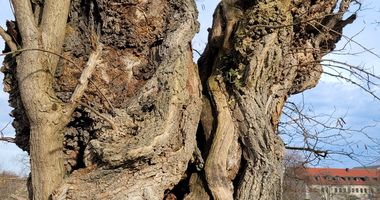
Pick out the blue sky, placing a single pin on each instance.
(331, 95)
(10, 154)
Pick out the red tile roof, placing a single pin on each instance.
(340, 176)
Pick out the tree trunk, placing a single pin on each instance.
(43, 109)
(258, 54)
(144, 128)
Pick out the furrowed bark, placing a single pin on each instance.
(148, 88)
(159, 110)
(263, 62)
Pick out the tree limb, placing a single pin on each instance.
(8, 139)
(25, 20)
(322, 153)
(84, 78)
(8, 39)
(53, 27)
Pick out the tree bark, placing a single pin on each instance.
(272, 52)
(43, 109)
(135, 131)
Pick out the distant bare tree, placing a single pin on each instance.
(294, 186)
(12, 187)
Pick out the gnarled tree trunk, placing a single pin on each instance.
(272, 52)
(144, 128)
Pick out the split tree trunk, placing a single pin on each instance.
(136, 134)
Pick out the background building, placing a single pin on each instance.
(336, 184)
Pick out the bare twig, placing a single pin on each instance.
(317, 131)
(351, 40)
(42, 50)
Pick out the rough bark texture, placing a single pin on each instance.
(134, 135)
(272, 52)
(153, 97)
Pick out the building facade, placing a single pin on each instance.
(341, 184)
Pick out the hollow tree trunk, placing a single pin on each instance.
(134, 134)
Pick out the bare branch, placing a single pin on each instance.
(6, 139)
(42, 50)
(354, 83)
(53, 23)
(1, 131)
(315, 132)
(87, 72)
(351, 40)
(25, 20)
(322, 153)
(8, 39)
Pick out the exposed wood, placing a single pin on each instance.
(217, 159)
(197, 188)
(93, 60)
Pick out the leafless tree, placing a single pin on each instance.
(142, 118)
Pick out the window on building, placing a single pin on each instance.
(336, 190)
(357, 190)
(344, 190)
(361, 190)
(340, 190)
(352, 190)
(365, 190)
